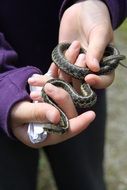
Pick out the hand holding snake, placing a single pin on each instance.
(89, 23)
(110, 61)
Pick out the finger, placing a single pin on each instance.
(71, 54)
(100, 82)
(39, 80)
(100, 36)
(80, 123)
(53, 71)
(62, 99)
(77, 125)
(36, 96)
(97, 47)
(80, 62)
(26, 112)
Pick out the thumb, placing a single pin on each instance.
(26, 112)
(98, 41)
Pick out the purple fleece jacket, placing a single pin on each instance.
(13, 76)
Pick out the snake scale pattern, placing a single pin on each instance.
(111, 59)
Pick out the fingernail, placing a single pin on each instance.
(53, 116)
(49, 73)
(82, 56)
(90, 80)
(31, 80)
(95, 65)
(35, 76)
(50, 116)
(48, 87)
(75, 45)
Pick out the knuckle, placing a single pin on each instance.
(36, 113)
(64, 97)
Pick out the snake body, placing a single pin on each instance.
(110, 61)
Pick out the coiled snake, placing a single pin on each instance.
(110, 61)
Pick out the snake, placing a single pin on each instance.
(111, 59)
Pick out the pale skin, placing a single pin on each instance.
(92, 28)
(86, 23)
(25, 112)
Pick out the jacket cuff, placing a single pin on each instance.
(13, 89)
(65, 5)
(117, 10)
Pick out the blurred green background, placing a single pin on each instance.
(115, 162)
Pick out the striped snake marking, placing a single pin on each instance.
(111, 59)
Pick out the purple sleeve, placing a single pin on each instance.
(13, 82)
(117, 9)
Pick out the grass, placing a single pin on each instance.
(116, 135)
(45, 178)
(123, 27)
